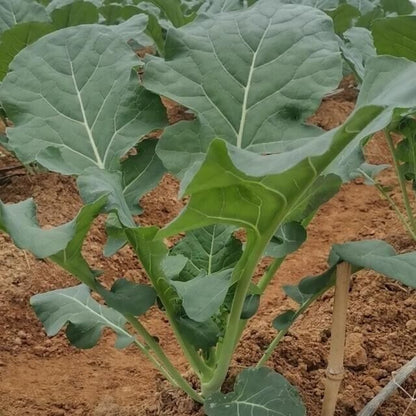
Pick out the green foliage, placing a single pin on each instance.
(252, 75)
(396, 36)
(83, 317)
(257, 390)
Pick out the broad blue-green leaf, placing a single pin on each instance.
(381, 257)
(221, 6)
(13, 40)
(259, 392)
(74, 14)
(223, 68)
(13, 12)
(288, 238)
(75, 101)
(85, 318)
(357, 47)
(129, 298)
(62, 244)
(203, 295)
(396, 36)
(211, 249)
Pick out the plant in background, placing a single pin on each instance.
(248, 161)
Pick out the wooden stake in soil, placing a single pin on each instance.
(335, 370)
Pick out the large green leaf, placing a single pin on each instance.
(75, 101)
(259, 392)
(260, 193)
(85, 318)
(209, 250)
(396, 36)
(224, 67)
(17, 38)
(13, 12)
(379, 256)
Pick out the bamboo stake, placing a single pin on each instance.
(335, 369)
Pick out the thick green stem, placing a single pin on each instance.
(173, 374)
(402, 182)
(242, 275)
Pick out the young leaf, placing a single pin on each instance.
(129, 298)
(283, 321)
(202, 335)
(75, 101)
(13, 12)
(260, 392)
(379, 256)
(209, 250)
(251, 306)
(223, 68)
(85, 318)
(288, 238)
(203, 295)
(396, 36)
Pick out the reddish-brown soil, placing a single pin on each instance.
(48, 377)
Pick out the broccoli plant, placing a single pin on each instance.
(248, 161)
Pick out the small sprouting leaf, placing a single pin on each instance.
(173, 265)
(13, 12)
(396, 36)
(294, 293)
(259, 392)
(129, 298)
(288, 238)
(284, 320)
(379, 256)
(344, 17)
(315, 284)
(209, 250)
(85, 318)
(75, 101)
(202, 335)
(203, 295)
(251, 306)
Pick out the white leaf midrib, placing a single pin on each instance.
(99, 163)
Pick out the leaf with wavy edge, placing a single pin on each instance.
(224, 69)
(75, 101)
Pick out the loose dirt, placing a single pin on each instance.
(48, 377)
